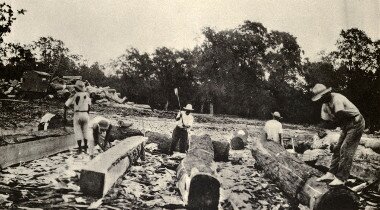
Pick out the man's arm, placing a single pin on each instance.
(179, 115)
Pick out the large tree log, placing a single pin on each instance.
(197, 182)
(35, 146)
(101, 173)
(221, 148)
(298, 180)
(119, 133)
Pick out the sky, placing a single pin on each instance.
(101, 30)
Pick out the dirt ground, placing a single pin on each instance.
(52, 182)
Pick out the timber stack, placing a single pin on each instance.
(197, 182)
(298, 180)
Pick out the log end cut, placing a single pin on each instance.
(204, 192)
(338, 198)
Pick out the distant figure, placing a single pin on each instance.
(184, 121)
(82, 102)
(338, 111)
(273, 128)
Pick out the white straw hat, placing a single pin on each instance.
(188, 107)
(319, 90)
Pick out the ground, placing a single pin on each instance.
(51, 182)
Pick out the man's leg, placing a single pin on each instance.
(88, 140)
(175, 138)
(186, 140)
(347, 151)
(336, 153)
(78, 132)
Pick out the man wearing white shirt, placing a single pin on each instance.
(273, 128)
(184, 121)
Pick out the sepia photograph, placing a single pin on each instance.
(190, 104)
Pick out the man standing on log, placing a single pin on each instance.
(184, 121)
(273, 128)
(82, 102)
(338, 111)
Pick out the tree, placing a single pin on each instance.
(7, 16)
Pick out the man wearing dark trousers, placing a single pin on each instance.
(184, 121)
(338, 111)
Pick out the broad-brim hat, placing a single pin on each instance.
(319, 90)
(277, 114)
(188, 107)
(79, 86)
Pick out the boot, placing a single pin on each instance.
(85, 145)
(79, 146)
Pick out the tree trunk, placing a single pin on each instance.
(221, 149)
(166, 105)
(211, 109)
(202, 107)
(298, 180)
(199, 187)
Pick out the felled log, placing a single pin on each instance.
(119, 133)
(101, 173)
(221, 149)
(163, 141)
(197, 182)
(298, 180)
(239, 139)
(36, 146)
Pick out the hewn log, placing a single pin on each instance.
(99, 175)
(298, 180)
(36, 146)
(197, 182)
(35, 135)
(239, 139)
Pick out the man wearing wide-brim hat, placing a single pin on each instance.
(180, 134)
(81, 102)
(338, 111)
(273, 128)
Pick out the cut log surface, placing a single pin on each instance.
(101, 173)
(221, 150)
(35, 135)
(47, 143)
(197, 182)
(298, 180)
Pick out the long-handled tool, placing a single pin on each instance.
(179, 103)
(176, 94)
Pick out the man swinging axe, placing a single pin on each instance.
(338, 111)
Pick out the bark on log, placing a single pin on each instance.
(120, 133)
(298, 180)
(45, 145)
(101, 173)
(197, 182)
(221, 149)
(239, 140)
(35, 135)
(163, 141)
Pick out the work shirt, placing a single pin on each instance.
(186, 120)
(80, 100)
(338, 103)
(273, 128)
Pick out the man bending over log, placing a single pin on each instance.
(184, 121)
(82, 102)
(338, 111)
(273, 128)
(101, 130)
